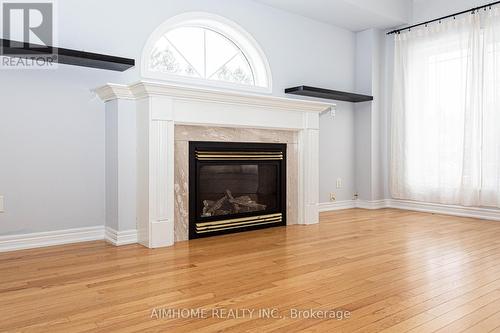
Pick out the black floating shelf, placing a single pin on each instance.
(328, 94)
(69, 57)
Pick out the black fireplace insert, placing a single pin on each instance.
(235, 187)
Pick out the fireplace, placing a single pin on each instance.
(147, 162)
(235, 187)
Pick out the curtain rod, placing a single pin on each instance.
(445, 17)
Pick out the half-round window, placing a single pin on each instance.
(206, 49)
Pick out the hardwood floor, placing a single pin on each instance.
(391, 270)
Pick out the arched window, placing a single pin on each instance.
(206, 49)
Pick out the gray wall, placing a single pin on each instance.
(52, 128)
(52, 150)
(369, 76)
(363, 114)
(336, 148)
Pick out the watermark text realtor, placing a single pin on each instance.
(28, 35)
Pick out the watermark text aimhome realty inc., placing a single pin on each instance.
(263, 313)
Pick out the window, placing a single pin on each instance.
(446, 101)
(206, 49)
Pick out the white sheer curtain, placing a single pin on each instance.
(446, 112)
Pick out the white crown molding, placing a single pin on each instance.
(50, 238)
(110, 92)
(120, 237)
(145, 89)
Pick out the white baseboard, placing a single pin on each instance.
(348, 204)
(474, 212)
(373, 204)
(49, 238)
(59, 237)
(337, 205)
(120, 237)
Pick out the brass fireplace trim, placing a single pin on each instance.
(222, 226)
(238, 223)
(235, 227)
(241, 155)
(251, 218)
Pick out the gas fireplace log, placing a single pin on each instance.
(214, 207)
(207, 204)
(245, 201)
(217, 204)
(228, 204)
(249, 204)
(229, 195)
(231, 200)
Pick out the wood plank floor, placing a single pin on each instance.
(392, 270)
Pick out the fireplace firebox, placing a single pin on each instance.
(235, 187)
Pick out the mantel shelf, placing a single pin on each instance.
(68, 56)
(328, 94)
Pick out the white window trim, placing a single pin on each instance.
(241, 38)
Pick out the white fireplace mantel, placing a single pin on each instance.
(140, 120)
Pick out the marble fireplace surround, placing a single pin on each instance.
(148, 127)
(183, 134)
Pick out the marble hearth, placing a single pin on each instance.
(148, 128)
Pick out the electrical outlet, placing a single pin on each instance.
(1, 204)
(355, 196)
(339, 182)
(333, 197)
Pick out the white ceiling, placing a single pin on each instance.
(354, 15)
